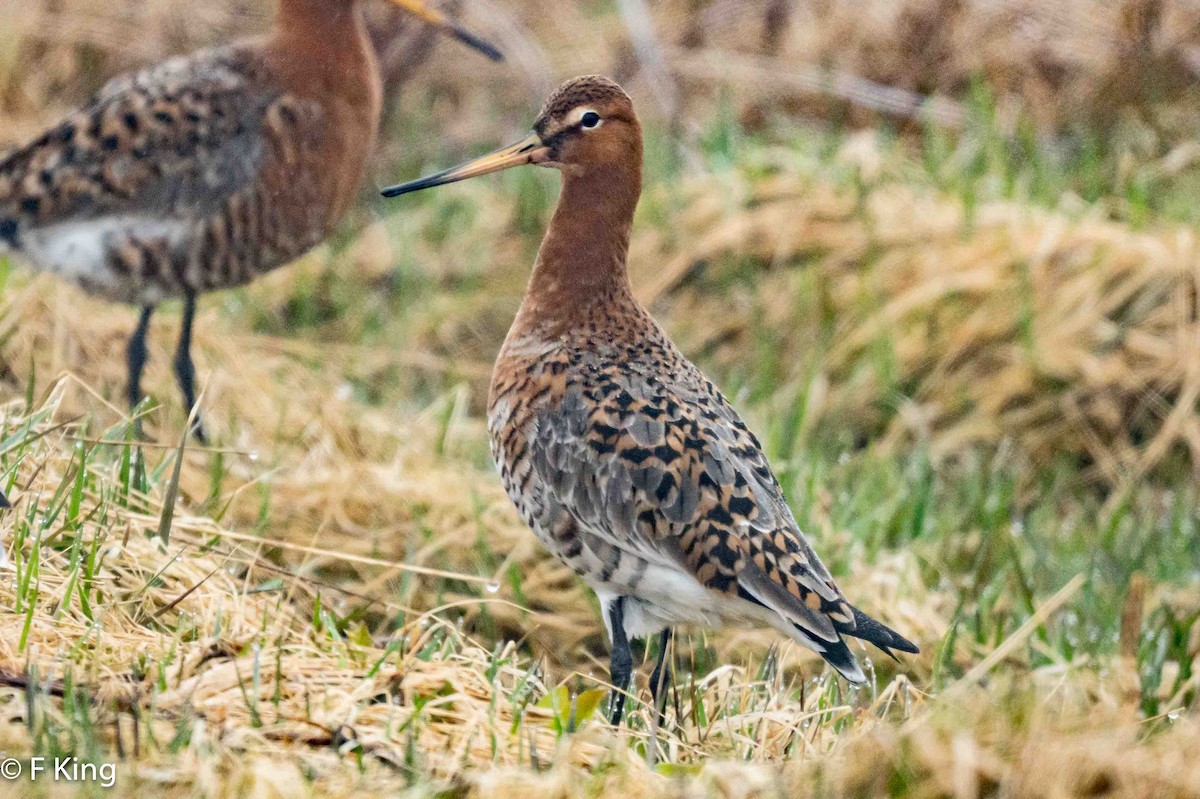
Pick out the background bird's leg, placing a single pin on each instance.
(185, 373)
(660, 678)
(621, 663)
(135, 357)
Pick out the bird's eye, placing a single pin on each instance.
(589, 120)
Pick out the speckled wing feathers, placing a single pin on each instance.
(176, 139)
(655, 463)
(157, 184)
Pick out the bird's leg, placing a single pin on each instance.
(135, 357)
(660, 678)
(621, 663)
(185, 373)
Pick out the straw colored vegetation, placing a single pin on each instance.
(971, 346)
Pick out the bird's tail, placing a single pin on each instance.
(838, 655)
(8, 234)
(13, 166)
(878, 634)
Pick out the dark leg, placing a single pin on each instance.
(185, 373)
(135, 357)
(621, 664)
(660, 678)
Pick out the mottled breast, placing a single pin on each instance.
(585, 423)
(530, 375)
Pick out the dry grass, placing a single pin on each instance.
(206, 635)
(233, 679)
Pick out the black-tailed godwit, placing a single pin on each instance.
(627, 462)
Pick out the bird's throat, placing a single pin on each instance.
(583, 256)
(324, 44)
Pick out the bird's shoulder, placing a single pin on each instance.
(236, 67)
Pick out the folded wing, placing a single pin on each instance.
(669, 471)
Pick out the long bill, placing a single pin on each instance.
(529, 150)
(422, 10)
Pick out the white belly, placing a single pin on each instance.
(79, 251)
(667, 597)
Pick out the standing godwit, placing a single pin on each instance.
(205, 171)
(626, 461)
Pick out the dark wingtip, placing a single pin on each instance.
(882, 636)
(477, 43)
(4, 503)
(8, 232)
(838, 655)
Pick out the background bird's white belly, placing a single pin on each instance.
(79, 251)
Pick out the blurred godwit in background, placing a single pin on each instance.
(626, 461)
(205, 171)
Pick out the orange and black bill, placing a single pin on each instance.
(422, 10)
(529, 150)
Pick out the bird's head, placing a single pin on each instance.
(587, 128)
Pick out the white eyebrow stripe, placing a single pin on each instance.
(576, 115)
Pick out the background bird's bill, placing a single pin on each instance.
(529, 150)
(420, 9)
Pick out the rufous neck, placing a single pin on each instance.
(315, 14)
(583, 255)
(326, 40)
